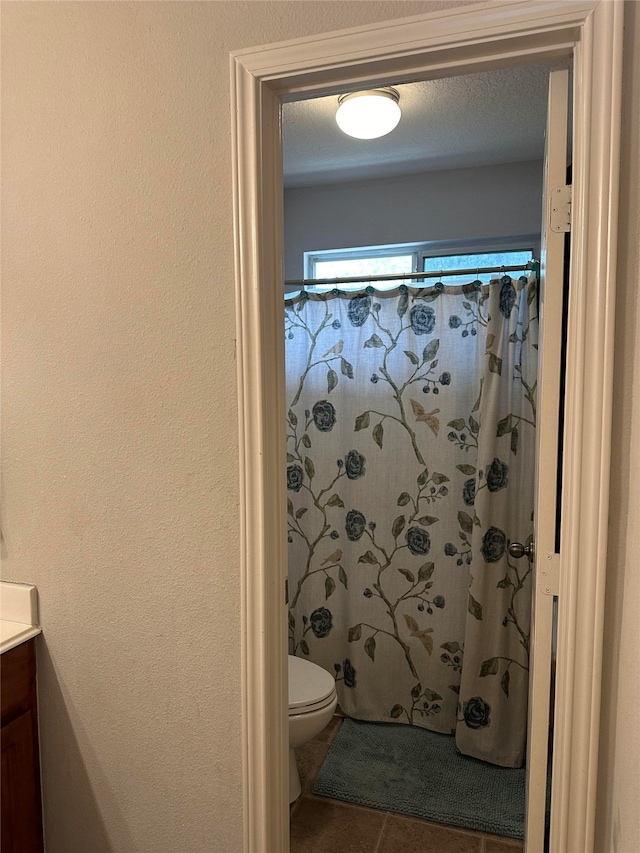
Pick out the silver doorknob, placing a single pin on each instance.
(517, 549)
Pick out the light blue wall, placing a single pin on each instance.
(465, 204)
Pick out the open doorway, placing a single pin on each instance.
(457, 186)
(443, 44)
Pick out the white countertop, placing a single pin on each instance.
(18, 614)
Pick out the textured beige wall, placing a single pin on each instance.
(120, 480)
(618, 816)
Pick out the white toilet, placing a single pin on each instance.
(312, 703)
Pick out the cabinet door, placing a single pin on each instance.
(21, 830)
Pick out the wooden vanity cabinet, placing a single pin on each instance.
(21, 827)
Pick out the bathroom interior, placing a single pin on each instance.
(411, 417)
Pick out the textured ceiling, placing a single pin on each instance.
(474, 120)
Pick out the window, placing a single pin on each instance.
(372, 260)
(414, 257)
(442, 263)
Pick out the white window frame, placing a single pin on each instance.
(427, 249)
(384, 251)
(446, 248)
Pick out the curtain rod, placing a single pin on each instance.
(530, 265)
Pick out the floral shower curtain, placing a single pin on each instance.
(410, 467)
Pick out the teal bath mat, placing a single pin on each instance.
(411, 771)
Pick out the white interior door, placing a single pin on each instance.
(555, 223)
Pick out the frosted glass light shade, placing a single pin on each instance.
(370, 114)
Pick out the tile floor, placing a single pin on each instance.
(322, 825)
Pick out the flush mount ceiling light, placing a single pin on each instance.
(369, 114)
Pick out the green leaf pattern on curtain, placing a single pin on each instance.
(410, 466)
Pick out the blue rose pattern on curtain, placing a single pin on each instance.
(410, 466)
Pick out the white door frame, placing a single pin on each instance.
(456, 41)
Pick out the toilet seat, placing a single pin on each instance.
(311, 688)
